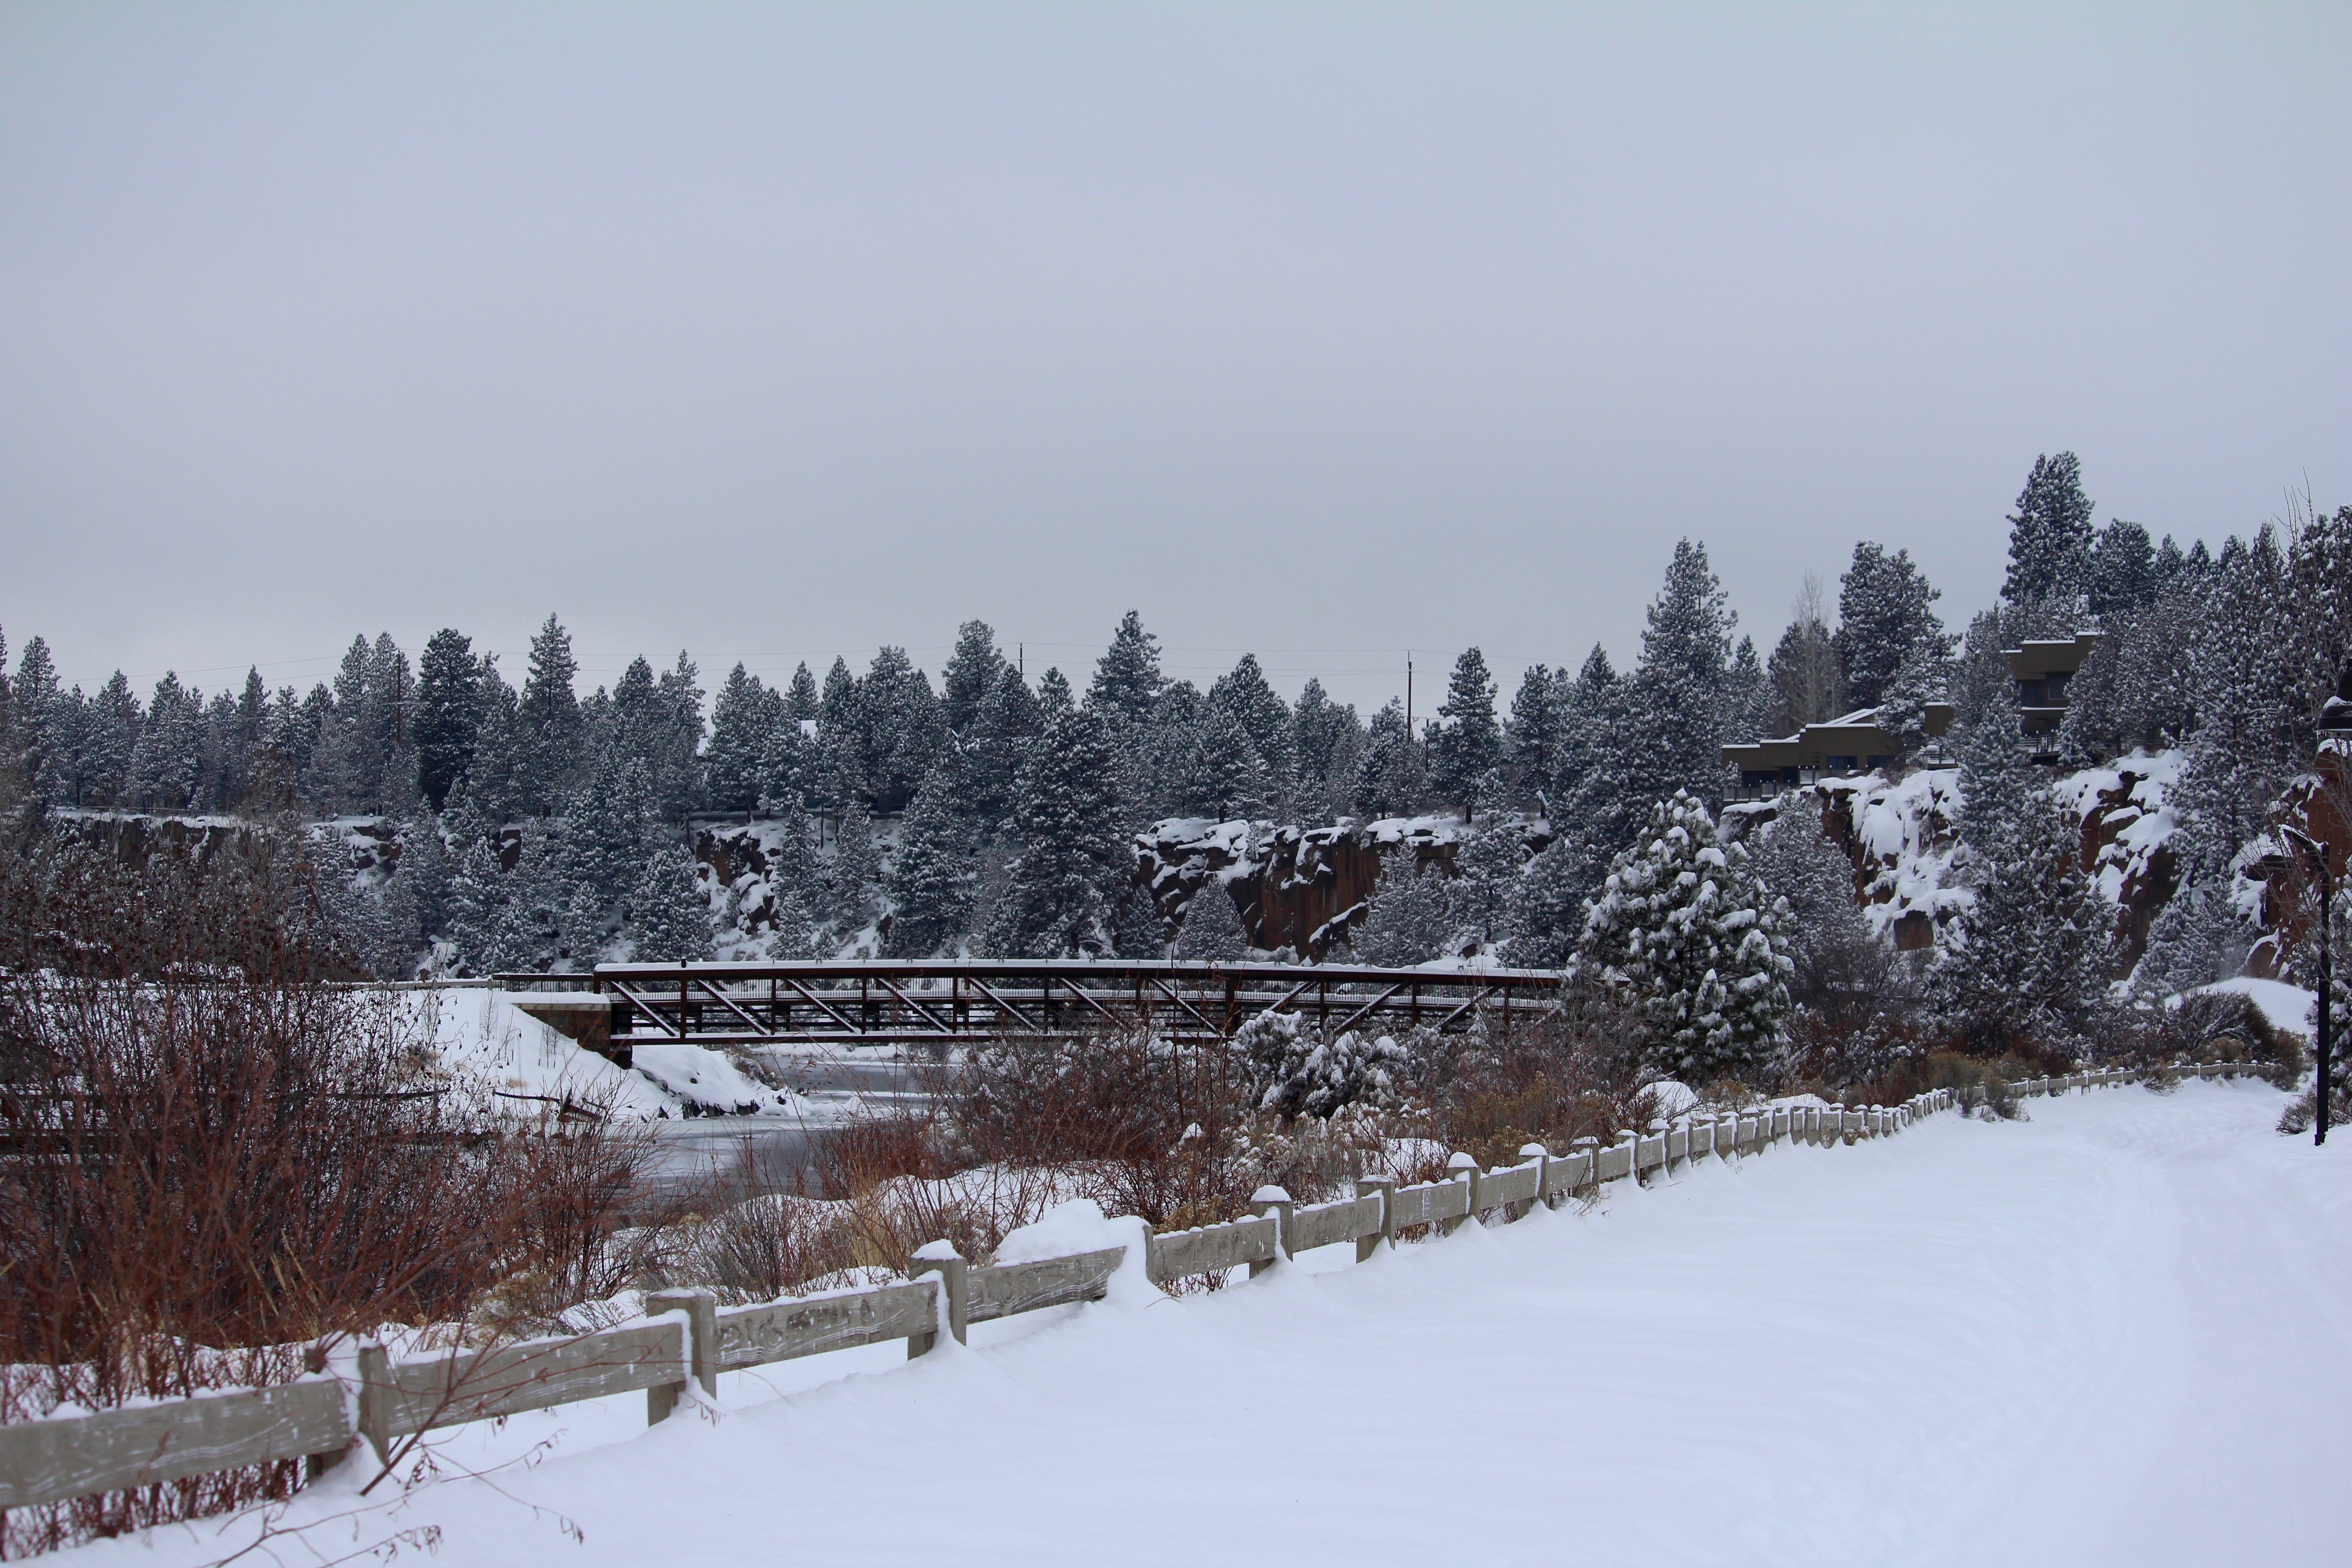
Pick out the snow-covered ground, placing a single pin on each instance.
(2118, 1333)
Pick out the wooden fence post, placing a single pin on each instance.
(942, 1259)
(1386, 1186)
(1543, 1157)
(1591, 1149)
(701, 1310)
(314, 1360)
(1276, 1202)
(375, 1400)
(1461, 1164)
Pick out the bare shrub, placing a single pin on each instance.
(214, 1154)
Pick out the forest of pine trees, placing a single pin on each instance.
(537, 827)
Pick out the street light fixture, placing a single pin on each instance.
(2315, 853)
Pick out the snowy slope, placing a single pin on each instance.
(497, 1054)
(2116, 1333)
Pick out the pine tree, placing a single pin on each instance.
(2022, 967)
(2123, 570)
(1469, 743)
(1795, 862)
(1531, 739)
(448, 713)
(931, 878)
(1671, 737)
(741, 721)
(970, 674)
(1264, 716)
(495, 779)
(167, 759)
(1212, 931)
(477, 915)
(44, 755)
(1328, 737)
(1683, 925)
(1222, 775)
(988, 757)
(549, 732)
(855, 876)
(1412, 918)
(1886, 616)
(1488, 866)
(1902, 705)
(1807, 671)
(1547, 912)
(1748, 699)
(675, 732)
(1998, 783)
(1127, 679)
(1388, 780)
(670, 912)
(2050, 535)
(1059, 891)
(115, 722)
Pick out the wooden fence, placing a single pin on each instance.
(685, 1338)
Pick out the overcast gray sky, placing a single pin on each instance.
(771, 332)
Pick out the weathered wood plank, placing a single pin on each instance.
(1010, 1287)
(1649, 1153)
(1616, 1161)
(784, 1330)
(66, 1457)
(449, 1391)
(1516, 1186)
(1323, 1224)
(1430, 1202)
(1570, 1172)
(1181, 1253)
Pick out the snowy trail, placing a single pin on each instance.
(2121, 1332)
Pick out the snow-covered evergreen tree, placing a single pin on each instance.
(1748, 697)
(2025, 962)
(1294, 1071)
(1127, 679)
(970, 673)
(1221, 774)
(669, 913)
(166, 760)
(548, 731)
(2050, 535)
(1411, 917)
(1211, 929)
(743, 719)
(1684, 926)
(1388, 780)
(932, 879)
(853, 878)
(1060, 890)
(1328, 737)
(1796, 862)
(1886, 614)
(1264, 716)
(448, 714)
(476, 921)
(1806, 671)
(2123, 570)
(1531, 738)
(1547, 912)
(1487, 868)
(1468, 744)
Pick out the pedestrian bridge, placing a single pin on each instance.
(899, 1002)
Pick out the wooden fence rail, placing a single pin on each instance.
(687, 1340)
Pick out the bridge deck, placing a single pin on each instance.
(892, 1001)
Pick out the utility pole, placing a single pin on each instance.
(1412, 736)
(2315, 854)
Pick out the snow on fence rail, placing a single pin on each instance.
(685, 1338)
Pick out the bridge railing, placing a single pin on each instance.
(903, 1000)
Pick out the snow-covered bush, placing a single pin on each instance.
(1212, 931)
(1683, 924)
(1294, 1071)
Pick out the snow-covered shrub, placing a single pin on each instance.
(1683, 924)
(1294, 1071)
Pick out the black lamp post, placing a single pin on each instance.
(2317, 854)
